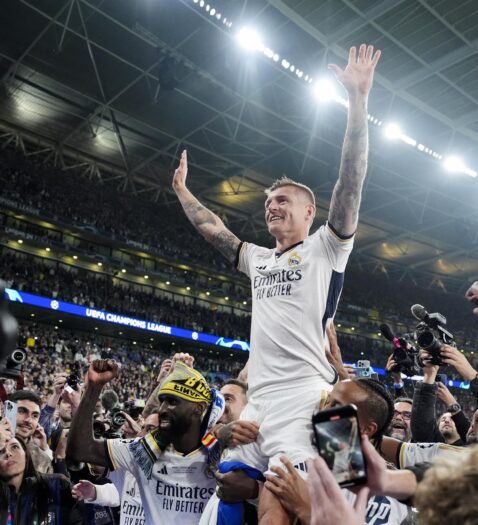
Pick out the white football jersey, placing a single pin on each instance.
(293, 295)
(132, 512)
(409, 454)
(179, 487)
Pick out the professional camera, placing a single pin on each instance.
(110, 428)
(73, 380)
(11, 367)
(431, 334)
(134, 408)
(404, 352)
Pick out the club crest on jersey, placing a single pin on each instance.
(294, 259)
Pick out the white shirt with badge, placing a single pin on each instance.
(179, 488)
(293, 296)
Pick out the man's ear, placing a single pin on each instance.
(369, 428)
(310, 212)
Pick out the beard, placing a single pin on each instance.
(399, 431)
(447, 434)
(178, 426)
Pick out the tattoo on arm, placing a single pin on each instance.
(227, 243)
(345, 204)
(199, 215)
(212, 229)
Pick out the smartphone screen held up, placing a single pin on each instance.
(337, 438)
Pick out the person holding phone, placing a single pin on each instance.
(27, 496)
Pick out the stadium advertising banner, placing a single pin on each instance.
(122, 320)
(151, 326)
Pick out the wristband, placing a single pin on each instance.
(398, 386)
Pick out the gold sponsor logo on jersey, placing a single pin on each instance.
(294, 259)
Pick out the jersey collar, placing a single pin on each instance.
(278, 254)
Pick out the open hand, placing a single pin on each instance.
(84, 491)
(357, 77)
(329, 505)
(291, 490)
(238, 433)
(179, 179)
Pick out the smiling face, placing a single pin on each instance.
(400, 425)
(28, 415)
(289, 212)
(12, 460)
(176, 415)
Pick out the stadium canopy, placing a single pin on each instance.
(122, 86)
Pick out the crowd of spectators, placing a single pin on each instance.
(41, 188)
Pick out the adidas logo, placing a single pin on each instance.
(163, 470)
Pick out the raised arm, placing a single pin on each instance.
(82, 446)
(205, 221)
(357, 78)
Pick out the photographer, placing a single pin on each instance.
(423, 422)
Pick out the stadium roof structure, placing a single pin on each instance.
(121, 87)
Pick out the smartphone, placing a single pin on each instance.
(442, 378)
(362, 369)
(337, 438)
(11, 414)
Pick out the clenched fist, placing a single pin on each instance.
(102, 371)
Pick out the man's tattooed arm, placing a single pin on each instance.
(210, 227)
(345, 203)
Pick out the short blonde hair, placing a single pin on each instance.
(285, 181)
(448, 494)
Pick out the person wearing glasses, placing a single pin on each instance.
(400, 425)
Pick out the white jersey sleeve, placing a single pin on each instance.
(410, 454)
(247, 251)
(336, 247)
(120, 455)
(106, 495)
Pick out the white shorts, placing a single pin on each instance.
(285, 419)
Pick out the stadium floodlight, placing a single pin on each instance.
(393, 131)
(456, 165)
(324, 90)
(249, 39)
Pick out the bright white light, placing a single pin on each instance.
(292, 68)
(218, 16)
(393, 131)
(300, 74)
(275, 58)
(268, 52)
(324, 90)
(212, 12)
(285, 64)
(456, 165)
(201, 3)
(249, 39)
(208, 7)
